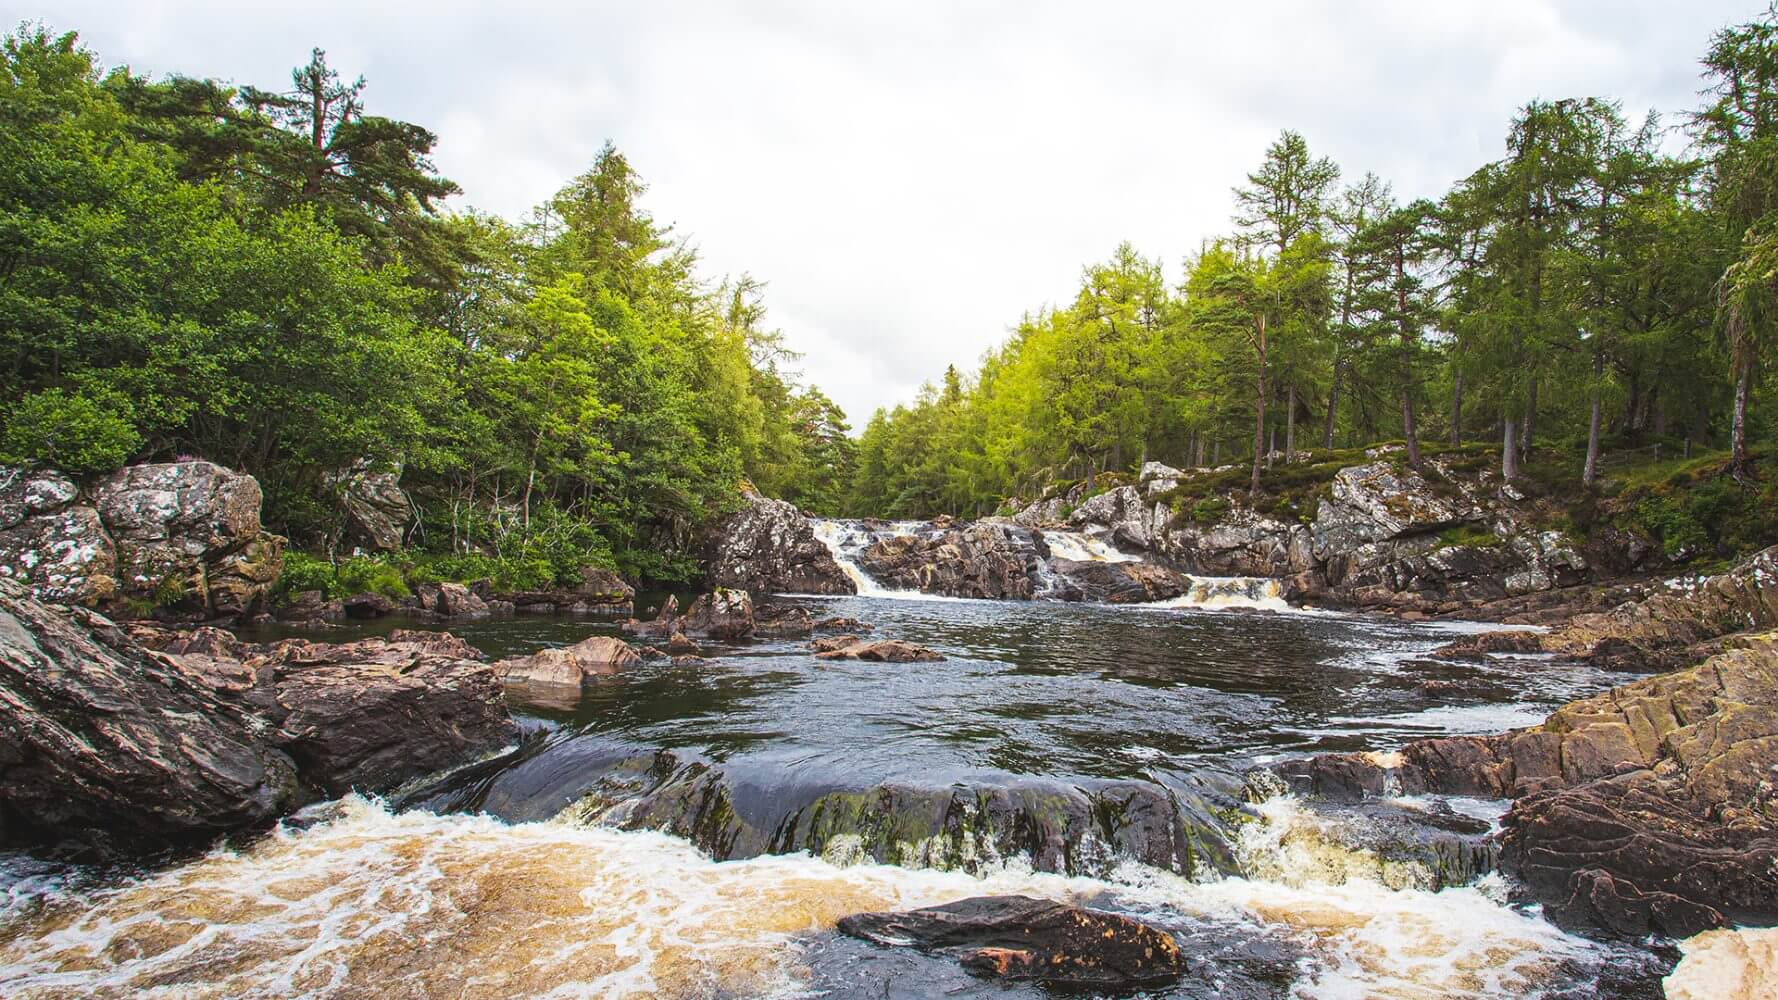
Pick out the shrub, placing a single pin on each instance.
(367, 574)
(1669, 519)
(82, 432)
(306, 572)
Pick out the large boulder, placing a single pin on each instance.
(769, 547)
(992, 558)
(1035, 940)
(721, 614)
(101, 737)
(51, 542)
(879, 651)
(182, 536)
(373, 714)
(374, 509)
(157, 736)
(1131, 582)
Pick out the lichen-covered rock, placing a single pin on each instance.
(183, 536)
(721, 614)
(100, 737)
(452, 600)
(375, 509)
(1034, 940)
(769, 547)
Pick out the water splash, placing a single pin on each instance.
(374, 904)
(1081, 547)
(1258, 592)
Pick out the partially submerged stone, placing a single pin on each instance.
(881, 651)
(1022, 938)
(570, 665)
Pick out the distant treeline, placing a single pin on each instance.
(1584, 289)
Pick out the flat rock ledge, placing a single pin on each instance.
(140, 738)
(1022, 938)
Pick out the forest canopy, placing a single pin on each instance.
(269, 279)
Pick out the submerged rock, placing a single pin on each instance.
(720, 614)
(769, 547)
(1036, 940)
(784, 622)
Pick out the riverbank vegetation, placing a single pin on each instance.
(270, 279)
(1603, 295)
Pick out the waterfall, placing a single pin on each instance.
(1081, 547)
(1230, 592)
(847, 539)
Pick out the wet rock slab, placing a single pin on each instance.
(1022, 938)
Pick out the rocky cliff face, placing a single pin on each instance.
(1376, 535)
(184, 536)
(769, 547)
(992, 558)
(154, 736)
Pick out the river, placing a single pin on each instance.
(695, 831)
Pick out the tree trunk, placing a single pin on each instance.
(1407, 359)
(1509, 450)
(1260, 391)
(1738, 434)
(1591, 473)
(1457, 410)
(1290, 427)
(1333, 401)
(1530, 421)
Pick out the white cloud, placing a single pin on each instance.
(910, 178)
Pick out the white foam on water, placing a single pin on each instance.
(1080, 547)
(1218, 592)
(414, 904)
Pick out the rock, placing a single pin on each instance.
(841, 625)
(781, 622)
(881, 651)
(190, 529)
(602, 589)
(368, 605)
(181, 536)
(311, 605)
(372, 714)
(1121, 582)
(995, 559)
(769, 547)
(721, 614)
(1483, 644)
(690, 661)
(663, 624)
(452, 600)
(1662, 630)
(829, 644)
(101, 738)
(1125, 514)
(570, 665)
(376, 509)
(1029, 939)
(1649, 808)
(679, 645)
(1726, 965)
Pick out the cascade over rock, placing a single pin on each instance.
(184, 536)
(992, 558)
(769, 547)
(1647, 808)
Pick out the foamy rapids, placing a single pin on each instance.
(374, 904)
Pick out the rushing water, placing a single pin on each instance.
(673, 831)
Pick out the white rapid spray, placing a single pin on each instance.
(373, 905)
(848, 539)
(1221, 592)
(1081, 547)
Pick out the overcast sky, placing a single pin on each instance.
(910, 177)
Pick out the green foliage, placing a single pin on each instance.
(1470, 536)
(80, 432)
(304, 572)
(370, 575)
